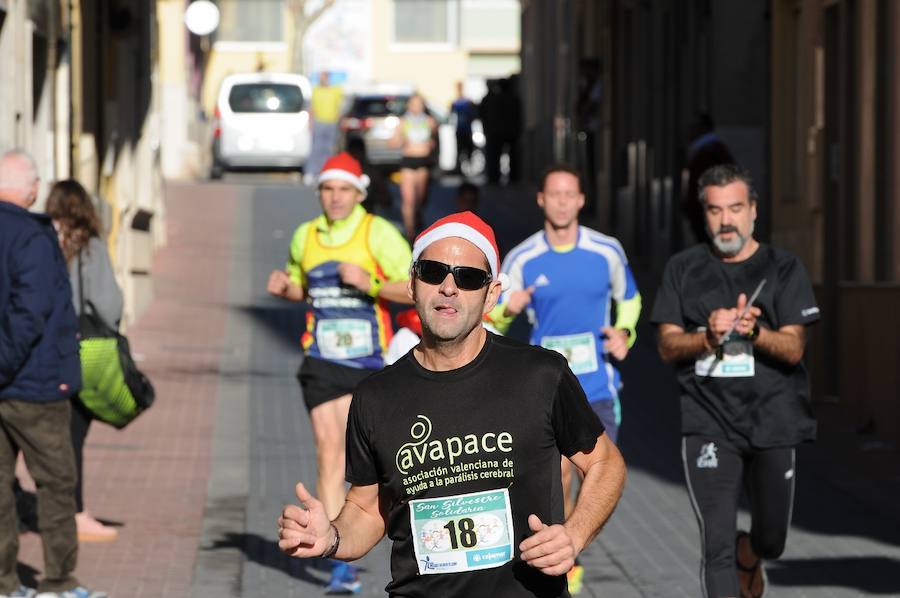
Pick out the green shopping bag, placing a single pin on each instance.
(113, 389)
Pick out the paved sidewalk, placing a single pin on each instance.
(151, 478)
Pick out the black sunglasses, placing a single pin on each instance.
(466, 278)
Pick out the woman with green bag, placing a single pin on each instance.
(94, 287)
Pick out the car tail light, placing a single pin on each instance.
(217, 123)
(355, 124)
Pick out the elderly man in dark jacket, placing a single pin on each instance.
(39, 371)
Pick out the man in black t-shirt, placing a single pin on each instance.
(454, 450)
(732, 318)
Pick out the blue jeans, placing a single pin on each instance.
(324, 138)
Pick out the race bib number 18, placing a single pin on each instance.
(465, 532)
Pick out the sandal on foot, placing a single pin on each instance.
(91, 530)
(755, 571)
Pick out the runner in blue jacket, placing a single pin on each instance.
(568, 277)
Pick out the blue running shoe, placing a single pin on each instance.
(79, 592)
(344, 580)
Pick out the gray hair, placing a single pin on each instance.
(18, 170)
(722, 175)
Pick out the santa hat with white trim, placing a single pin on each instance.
(344, 167)
(470, 227)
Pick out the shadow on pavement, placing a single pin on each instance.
(823, 509)
(265, 552)
(874, 575)
(650, 435)
(216, 371)
(283, 320)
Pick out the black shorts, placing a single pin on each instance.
(322, 381)
(413, 163)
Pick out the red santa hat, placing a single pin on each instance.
(344, 167)
(470, 227)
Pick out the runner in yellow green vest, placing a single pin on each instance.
(346, 264)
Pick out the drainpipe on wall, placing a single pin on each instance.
(76, 74)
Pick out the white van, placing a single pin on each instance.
(261, 121)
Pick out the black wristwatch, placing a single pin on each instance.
(754, 334)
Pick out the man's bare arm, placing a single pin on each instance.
(785, 344)
(604, 478)
(304, 530)
(281, 285)
(356, 276)
(552, 548)
(360, 523)
(396, 292)
(677, 345)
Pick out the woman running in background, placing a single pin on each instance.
(415, 134)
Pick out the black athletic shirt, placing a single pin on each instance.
(771, 408)
(507, 416)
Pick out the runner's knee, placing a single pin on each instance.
(769, 544)
(719, 548)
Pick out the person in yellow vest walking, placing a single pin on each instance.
(326, 104)
(346, 264)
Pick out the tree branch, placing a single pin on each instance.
(302, 22)
(318, 13)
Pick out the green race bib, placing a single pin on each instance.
(580, 350)
(344, 338)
